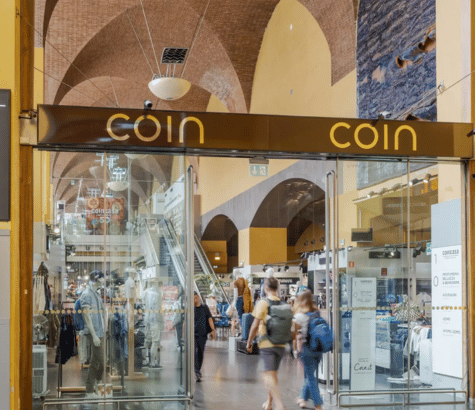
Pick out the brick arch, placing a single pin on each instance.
(127, 94)
(223, 59)
(211, 69)
(67, 166)
(337, 19)
(284, 202)
(243, 208)
(220, 228)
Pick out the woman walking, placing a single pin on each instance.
(304, 312)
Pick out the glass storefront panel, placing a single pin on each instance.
(110, 285)
(402, 275)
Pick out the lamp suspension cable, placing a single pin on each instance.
(138, 39)
(115, 94)
(62, 55)
(194, 39)
(71, 87)
(150, 36)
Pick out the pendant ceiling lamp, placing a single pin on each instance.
(169, 88)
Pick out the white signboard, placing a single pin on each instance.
(363, 334)
(447, 317)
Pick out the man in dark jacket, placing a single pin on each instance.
(203, 325)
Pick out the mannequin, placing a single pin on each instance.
(154, 322)
(130, 292)
(92, 309)
(130, 295)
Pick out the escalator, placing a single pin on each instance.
(166, 250)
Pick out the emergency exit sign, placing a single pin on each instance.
(258, 170)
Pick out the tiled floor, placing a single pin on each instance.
(231, 380)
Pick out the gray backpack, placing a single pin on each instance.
(280, 322)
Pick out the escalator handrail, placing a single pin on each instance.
(171, 239)
(205, 263)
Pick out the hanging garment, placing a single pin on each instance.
(247, 298)
(120, 332)
(67, 346)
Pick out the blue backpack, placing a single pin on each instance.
(319, 335)
(78, 320)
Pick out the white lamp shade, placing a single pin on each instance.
(169, 88)
(118, 185)
(135, 156)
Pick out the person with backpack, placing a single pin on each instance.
(273, 323)
(313, 339)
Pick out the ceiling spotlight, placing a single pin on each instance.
(427, 178)
(312, 241)
(350, 248)
(217, 256)
(286, 268)
(305, 243)
(278, 270)
(414, 181)
(370, 194)
(396, 187)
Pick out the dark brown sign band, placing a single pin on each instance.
(103, 128)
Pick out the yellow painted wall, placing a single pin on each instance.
(293, 73)
(212, 248)
(215, 105)
(267, 245)
(221, 179)
(314, 231)
(449, 59)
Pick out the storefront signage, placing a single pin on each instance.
(5, 153)
(194, 132)
(363, 336)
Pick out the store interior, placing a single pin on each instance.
(110, 255)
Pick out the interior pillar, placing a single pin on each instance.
(259, 246)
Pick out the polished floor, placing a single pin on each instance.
(231, 380)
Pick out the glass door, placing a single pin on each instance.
(112, 285)
(387, 219)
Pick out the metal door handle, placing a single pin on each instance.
(331, 241)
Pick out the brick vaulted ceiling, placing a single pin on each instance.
(93, 58)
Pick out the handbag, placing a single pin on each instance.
(230, 311)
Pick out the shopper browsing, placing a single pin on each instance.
(305, 311)
(203, 325)
(272, 321)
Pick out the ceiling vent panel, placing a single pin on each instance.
(172, 55)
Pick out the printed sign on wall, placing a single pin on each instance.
(447, 320)
(113, 208)
(363, 336)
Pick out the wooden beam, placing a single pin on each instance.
(26, 277)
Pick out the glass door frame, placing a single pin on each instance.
(332, 241)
